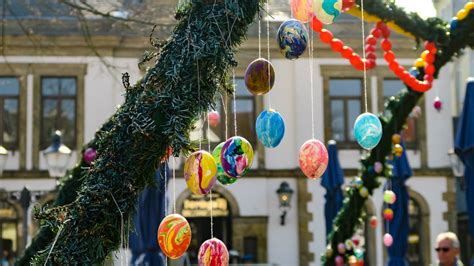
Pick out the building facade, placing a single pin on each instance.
(57, 81)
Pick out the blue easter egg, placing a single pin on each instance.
(414, 72)
(292, 38)
(367, 130)
(453, 24)
(270, 128)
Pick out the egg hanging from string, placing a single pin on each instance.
(259, 76)
(174, 235)
(270, 128)
(302, 9)
(213, 252)
(292, 38)
(327, 10)
(368, 130)
(387, 240)
(222, 177)
(313, 158)
(200, 172)
(236, 156)
(389, 197)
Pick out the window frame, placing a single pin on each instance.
(329, 72)
(15, 145)
(45, 140)
(77, 71)
(20, 71)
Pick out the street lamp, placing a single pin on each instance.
(284, 193)
(57, 156)
(3, 158)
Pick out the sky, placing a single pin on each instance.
(424, 8)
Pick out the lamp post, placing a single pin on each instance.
(57, 156)
(284, 193)
(3, 158)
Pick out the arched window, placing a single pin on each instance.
(414, 255)
(419, 243)
(8, 231)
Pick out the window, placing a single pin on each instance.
(8, 232)
(392, 87)
(58, 109)
(245, 106)
(250, 249)
(9, 111)
(345, 99)
(414, 254)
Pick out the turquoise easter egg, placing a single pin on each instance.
(368, 130)
(270, 128)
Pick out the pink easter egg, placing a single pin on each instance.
(302, 9)
(213, 252)
(387, 240)
(313, 158)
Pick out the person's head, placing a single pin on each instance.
(447, 248)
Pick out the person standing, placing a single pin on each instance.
(447, 249)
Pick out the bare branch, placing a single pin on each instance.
(93, 10)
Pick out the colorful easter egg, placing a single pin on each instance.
(259, 76)
(368, 130)
(236, 156)
(200, 172)
(313, 158)
(213, 252)
(292, 38)
(222, 177)
(174, 235)
(327, 10)
(213, 118)
(270, 128)
(302, 9)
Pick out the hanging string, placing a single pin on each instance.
(208, 135)
(212, 221)
(235, 106)
(174, 185)
(199, 101)
(122, 235)
(268, 57)
(310, 41)
(363, 53)
(166, 198)
(224, 107)
(259, 36)
(166, 188)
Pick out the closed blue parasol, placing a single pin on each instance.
(150, 212)
(332, 180)
(399, 226)
(464, 148)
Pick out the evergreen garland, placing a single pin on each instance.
(158, 114)
(449, 42)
